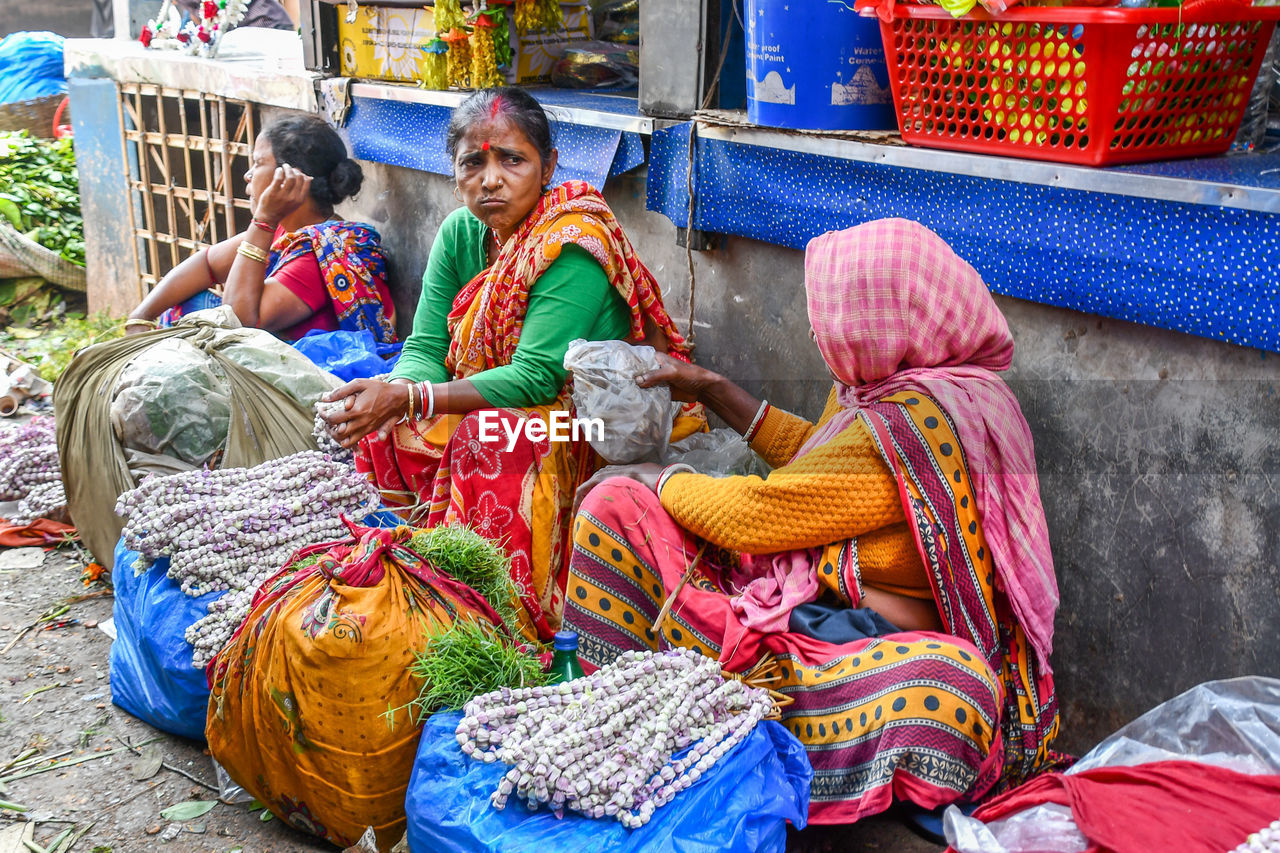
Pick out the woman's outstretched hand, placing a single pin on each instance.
(369, 405)
(645, 473)
(688, 381)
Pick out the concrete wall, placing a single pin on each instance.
(70, 18)
(1159, 453)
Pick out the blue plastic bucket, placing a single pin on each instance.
(816, 65)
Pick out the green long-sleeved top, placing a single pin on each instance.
(572, 299)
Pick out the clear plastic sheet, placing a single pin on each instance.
(637, 421)
(1233, 723)
(172, 400)
(720, 453)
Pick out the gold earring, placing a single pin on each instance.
(457, 192)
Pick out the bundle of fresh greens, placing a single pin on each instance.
(471, 657)
(468, 557)
(40, 192)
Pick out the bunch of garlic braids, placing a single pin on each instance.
(603, 745)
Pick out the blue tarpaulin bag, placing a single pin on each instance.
(151, 673)
(348, 355)
(31, 67)
(742, 805)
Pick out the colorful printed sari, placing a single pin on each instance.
(932, 718)
(439, 472)
(351, 262)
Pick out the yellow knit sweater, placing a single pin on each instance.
(841, 490)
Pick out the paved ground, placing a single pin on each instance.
(93, 767)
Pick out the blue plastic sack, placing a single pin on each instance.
(348, 355)
(31, 66)
(151, 673)
(741, 806)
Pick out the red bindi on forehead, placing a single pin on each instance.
(484, 146)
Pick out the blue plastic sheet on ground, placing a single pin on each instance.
(349, 355)
(151, 673)
(31, 66)
(741, 806)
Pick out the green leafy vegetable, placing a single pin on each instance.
(52, 349)
(40, 192)
(466, 556)
(466, 660)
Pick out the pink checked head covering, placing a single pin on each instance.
(893, 308)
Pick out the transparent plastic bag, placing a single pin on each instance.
(637, 421)
(720, 453)
(172, 400)
(1233, 723)
(228, 791)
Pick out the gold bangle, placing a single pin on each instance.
(252, 252)
(411, 418)
(141, 321)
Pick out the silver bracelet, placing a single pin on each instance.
(755, 422)
(677, 468)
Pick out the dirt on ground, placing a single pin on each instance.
(76, 762)
(75, 767)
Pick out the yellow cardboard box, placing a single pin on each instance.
(535, 53)
(386, 43)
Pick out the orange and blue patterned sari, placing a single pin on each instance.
(351, 261)
(351, 264)
(928, 717)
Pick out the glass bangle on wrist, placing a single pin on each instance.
(429, 392)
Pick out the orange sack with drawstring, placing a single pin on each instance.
(298, 708)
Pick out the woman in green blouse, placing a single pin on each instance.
(513, 278)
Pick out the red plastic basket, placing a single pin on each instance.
(1075, 85)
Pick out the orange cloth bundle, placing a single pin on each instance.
(296, 713)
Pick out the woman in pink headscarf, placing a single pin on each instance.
(892, 573)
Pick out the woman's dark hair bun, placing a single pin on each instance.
(345, 179)
(308, 143)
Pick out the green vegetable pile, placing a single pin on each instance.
(466, 556)
(470, 657)
(51, 349)
(40, 192)
(465, 661)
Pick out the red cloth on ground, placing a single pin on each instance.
(1175, 806)
(41, 532)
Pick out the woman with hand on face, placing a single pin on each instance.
(514, 276)
(295, 268)
(893, 569)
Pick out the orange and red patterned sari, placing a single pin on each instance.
(440, 472)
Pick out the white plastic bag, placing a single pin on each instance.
(1232, 723)
(637, 421)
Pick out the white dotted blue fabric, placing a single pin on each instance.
(1201, 269)
(413, 135)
